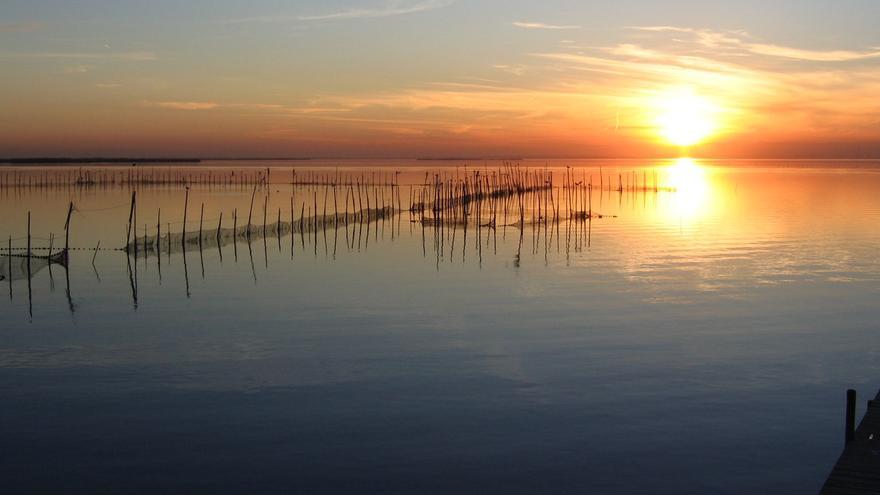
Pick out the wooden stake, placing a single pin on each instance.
(9, 262)
(201, 222)
(265, 207)
(29, 239)
(130, 220)
(251, 211)
(66, 229)
(185, 207)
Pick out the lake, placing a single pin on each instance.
(682, 326)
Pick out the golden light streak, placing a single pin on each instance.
(691, 195)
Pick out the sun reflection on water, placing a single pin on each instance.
(692, 190)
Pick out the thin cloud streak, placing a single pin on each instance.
(128, 56)
(391, 8)
(21, 27)
(541, 25)
(270, 108)
(78, 69)
(811, 55)
(184, 105)
(741, 40)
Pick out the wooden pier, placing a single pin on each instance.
(857, 471)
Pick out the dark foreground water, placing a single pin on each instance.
(696, 341)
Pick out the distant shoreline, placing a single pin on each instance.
(474, 159)
(122, 161)
(64, 161)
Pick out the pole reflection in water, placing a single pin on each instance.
(445, 227)
(677, 285)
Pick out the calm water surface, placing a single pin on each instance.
(690, 341)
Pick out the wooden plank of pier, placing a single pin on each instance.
(858, 469)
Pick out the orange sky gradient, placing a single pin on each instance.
(532, 89)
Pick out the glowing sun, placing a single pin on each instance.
(684, 118)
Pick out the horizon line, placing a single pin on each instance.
(61, 160)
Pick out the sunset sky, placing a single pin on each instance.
(438, 78)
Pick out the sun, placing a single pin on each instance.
(685, 118)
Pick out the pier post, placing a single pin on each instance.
(185, 207)
(29, 242)
(201, 222)
(130, 220)
(251, 212)
(850, 430)
(9, 263)
(66, 230)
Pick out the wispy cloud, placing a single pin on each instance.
(128, 56)
(812, 55)
(184, 105)
(78, 69)
(516, 70)
(660, 29)
(21, 27)
(213, 105)
(389, 8)
(541, 25)
(743, 41)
